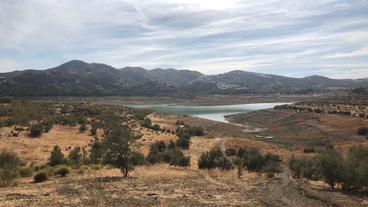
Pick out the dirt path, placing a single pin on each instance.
(286, 192)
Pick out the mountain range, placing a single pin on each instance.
(78, 78)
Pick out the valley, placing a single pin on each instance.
(163, 184)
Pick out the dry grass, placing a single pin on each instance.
(37, 150)
(307, 129)
(155, 185)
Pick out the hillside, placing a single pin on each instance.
(77, 78)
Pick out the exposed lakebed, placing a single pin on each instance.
(216, 113)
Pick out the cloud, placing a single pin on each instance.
(356, 53)
(292, 37)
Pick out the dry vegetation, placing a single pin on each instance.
(305, 129)
(162, 184)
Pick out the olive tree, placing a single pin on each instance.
(119, 144)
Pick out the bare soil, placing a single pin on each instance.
(291, 128)
(161, 184)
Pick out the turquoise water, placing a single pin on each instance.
(215, 113)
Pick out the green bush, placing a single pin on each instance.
(183, 143)
(215, 158)
(62, 171)
(156, 152)
(93, 130)
(97, 150)
(355, 170)
(172, 155)
(154, 156)
(40, 176)
(255, 161)
(82, 128)
(176, 157)
(56, 157)
(189, 131)
(305, 167)
(50, 171)
(350, 171)
(181, 161)
(363, 131)
(136, 158)
(330, 166)
(75, 156)
(159, 146)
(25, 171)
(9, 163)
(35, 130)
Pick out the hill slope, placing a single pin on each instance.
(77, 78)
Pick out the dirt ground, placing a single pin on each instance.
(161, 184)
(37, 150)
(305, 129)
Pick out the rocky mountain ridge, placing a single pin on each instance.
(78, 78)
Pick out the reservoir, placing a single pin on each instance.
(215, 113)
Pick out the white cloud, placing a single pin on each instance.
(356, 53)
(290, 37)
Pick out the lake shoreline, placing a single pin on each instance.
(214, 113)
(211, 100)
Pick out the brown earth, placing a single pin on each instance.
(37, 150)
(164, 185)
(295, 129)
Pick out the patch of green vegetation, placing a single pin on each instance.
(9, 164)
(252, 160)
(215, 158)
(25, 171)
(40, 176)
(40, 117)
(62, 170)
(159, 152)
(349, 171)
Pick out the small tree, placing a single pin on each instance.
(119, 145)
(93, 130)
(97, 150)
(183, 143)
(9, 163)
(35, 130)
(82, 128)
(215, 158)
(75, 156)
(330, 166)
(56, 157)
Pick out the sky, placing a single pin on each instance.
(294, 38)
